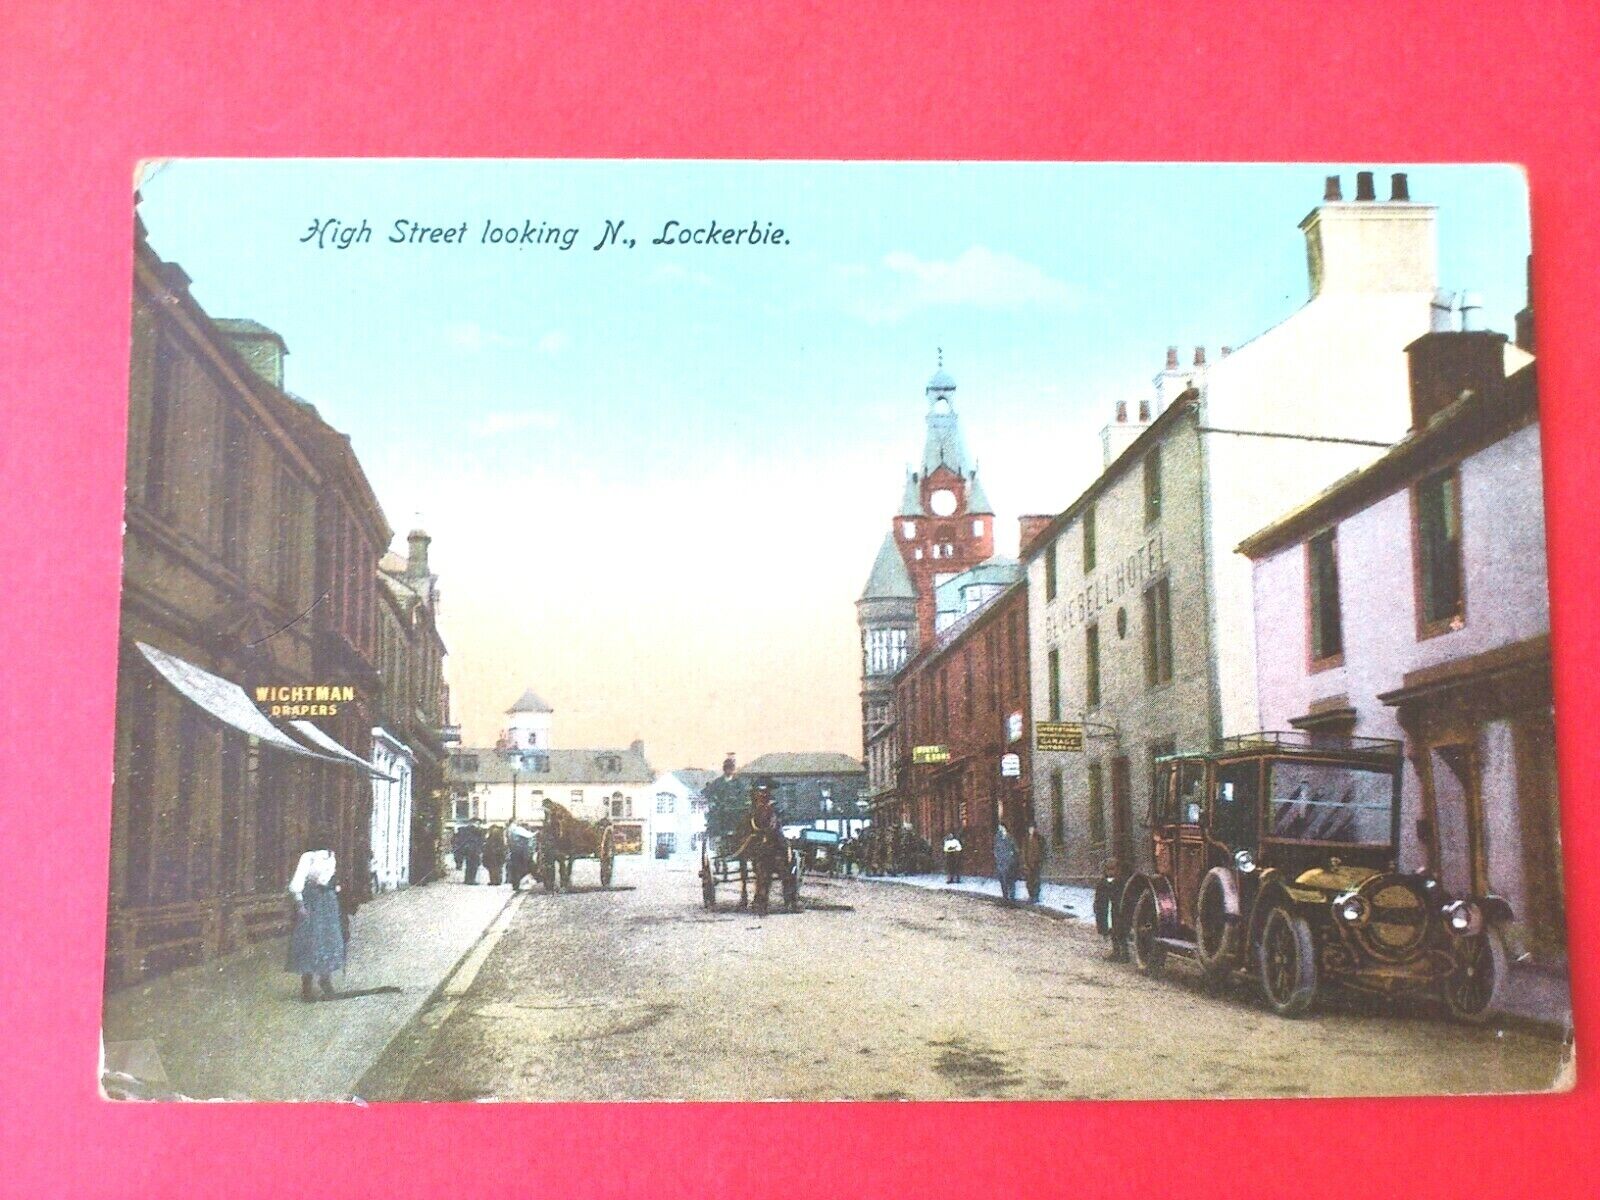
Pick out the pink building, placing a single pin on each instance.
(1409, 601)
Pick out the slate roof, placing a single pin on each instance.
(889, 579)
(817, 762)
(567, 767)
(999, 570)
(694, 778)
(911, 499)
(977, 498)
(943, 445)
(529, 703)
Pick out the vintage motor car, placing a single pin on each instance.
(1276, 855)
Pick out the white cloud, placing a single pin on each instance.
(469, 335)
(496, 423)
(978, 276)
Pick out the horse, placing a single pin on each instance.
(564, 838)
(765, 848)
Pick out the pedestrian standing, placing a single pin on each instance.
(519, 856)
(952, 857)
(494, 853)
(471, 851)
(1033, 862)
(316, 942)
(458, 846)
(1005, 864)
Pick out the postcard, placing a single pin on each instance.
(673, 630)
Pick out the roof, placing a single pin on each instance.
(977, 498)
(818, 762)
(530, 703)
(943, 445)
(245, 326)
(911, 498)
(585, 766)
(1476, 420)
(997, 570)
(941, 381)
(889, 579)
(694, 778)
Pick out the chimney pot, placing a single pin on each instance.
(1199, 356)
(1172, 358)
(1364, 188)
(1122, 412)
(1399, 187)
(1227, 350)
(1471, 312)
(1332, 190)
(1439, 310)
(1144, 410)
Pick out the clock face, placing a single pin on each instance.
(943, 502)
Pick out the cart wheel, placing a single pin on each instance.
(1475, 987)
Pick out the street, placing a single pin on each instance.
(883, 992)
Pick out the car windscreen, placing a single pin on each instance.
(1322, 802)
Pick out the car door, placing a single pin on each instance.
(1163, 825)
(1189, 846)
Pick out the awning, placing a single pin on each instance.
(317, 738)
(224, 700)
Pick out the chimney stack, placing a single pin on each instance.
(1199, 356)
(1332, 191)
(1031, 526)
(1172, 358)
(1364, 187)
(1144, 411)
(1122, 412)
(1399, 187)
(417, 554)
(1446, 364)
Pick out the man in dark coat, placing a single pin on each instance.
(1033, 850)
(458, 846)
(472, 851)
(519, 855)
(494, 853)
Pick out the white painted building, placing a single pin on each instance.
(1141, 621)
(391, 810)
(677, 823)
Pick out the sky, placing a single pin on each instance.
(656, 476)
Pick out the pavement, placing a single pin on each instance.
(236, 1028)
(1063, 899)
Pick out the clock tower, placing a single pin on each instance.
(944, 525)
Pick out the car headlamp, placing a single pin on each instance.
(1464, 917)
(1245, 861)
(1351, 909)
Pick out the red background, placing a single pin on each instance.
(87, 89)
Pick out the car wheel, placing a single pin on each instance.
(1286, 960)
(1144, 932)
(1216, 937)
(1474, 988)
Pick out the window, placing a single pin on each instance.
(908, 530)
(1157, 633)
(1152, 486)
(977, 528)
(1091, 666)
(1441, 604)
(577, 797)
(666, 845)
(1322, 581)
(1162, 799)
(1050, 571)
(666, 802)
(1055, 684)
(1097, 806)
(697, 805)
(231, 503)
(696, 840)
(967, 688)
(1088, 539)
(885, 651)
(1058, 809)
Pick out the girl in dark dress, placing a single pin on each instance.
(316, 943)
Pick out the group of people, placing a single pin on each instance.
(506, 851)
(888, 850)
(1011, 861)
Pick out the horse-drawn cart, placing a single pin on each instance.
(564, 838)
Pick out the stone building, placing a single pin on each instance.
(943, 526)
(822, 789)
(1141, 617)
(962, 721)
(677, 824)
(211, 798)
(1410, 601)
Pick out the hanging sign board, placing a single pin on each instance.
(1011, 766)
(1014, 727)
(1058, 735)
(930, 754)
